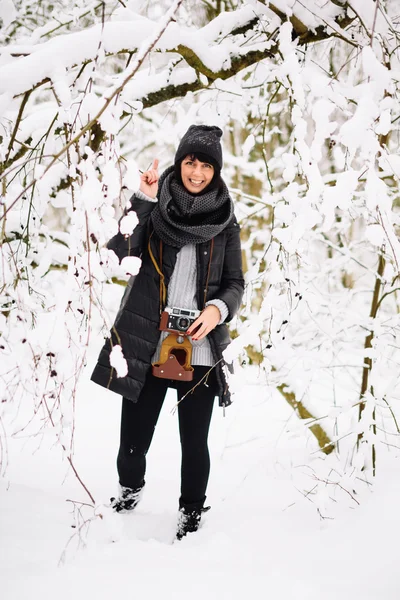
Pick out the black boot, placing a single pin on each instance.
(128, 499)
(189, 520)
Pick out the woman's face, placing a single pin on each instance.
(196, 175)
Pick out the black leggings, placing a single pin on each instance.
(139, 419)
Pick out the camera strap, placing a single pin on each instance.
(163, 288)
(208, 272)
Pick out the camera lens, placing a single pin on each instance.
(183, 323)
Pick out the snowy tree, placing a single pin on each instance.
(307, 94)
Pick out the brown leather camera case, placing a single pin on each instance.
(175, 358)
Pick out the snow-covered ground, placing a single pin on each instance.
(263, 537)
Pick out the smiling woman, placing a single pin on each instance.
(171, 326)
(196, 175)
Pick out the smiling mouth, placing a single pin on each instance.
(196, 182)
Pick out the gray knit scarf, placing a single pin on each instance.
(180, 218)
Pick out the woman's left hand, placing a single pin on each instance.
(205, 323)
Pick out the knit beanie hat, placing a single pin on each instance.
(204, 139)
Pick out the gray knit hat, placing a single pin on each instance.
(204, 139)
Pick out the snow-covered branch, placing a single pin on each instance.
(210, 50)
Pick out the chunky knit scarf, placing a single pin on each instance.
(180, 218)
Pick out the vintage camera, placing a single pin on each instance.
(178, 320)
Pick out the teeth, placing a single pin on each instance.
(195, 182)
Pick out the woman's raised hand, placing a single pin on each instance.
(149, 180)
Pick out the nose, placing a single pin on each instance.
(197, 168)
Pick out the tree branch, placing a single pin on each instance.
(324, 442)
(306, 35)
(17, 123)
(238, 63)
(141, 57)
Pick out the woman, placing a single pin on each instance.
(189, 244)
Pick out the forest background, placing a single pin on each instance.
(307, 95)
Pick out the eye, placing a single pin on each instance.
(207, 166)
(188, 162)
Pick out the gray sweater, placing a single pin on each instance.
(182, 293)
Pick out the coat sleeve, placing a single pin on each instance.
(232, 281)
(134, 244)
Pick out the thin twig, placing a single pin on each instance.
(374, 22)
(195, 386)
(17, 122)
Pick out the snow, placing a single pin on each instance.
(310, 13)
(132, 176)
(128, 223)
(143, 85)
(70, 49)
(65, 51)
(7, 12)
(262, 537)
(118, 361)
(228, 21)
(131, 265)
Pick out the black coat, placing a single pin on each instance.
(136, 324)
